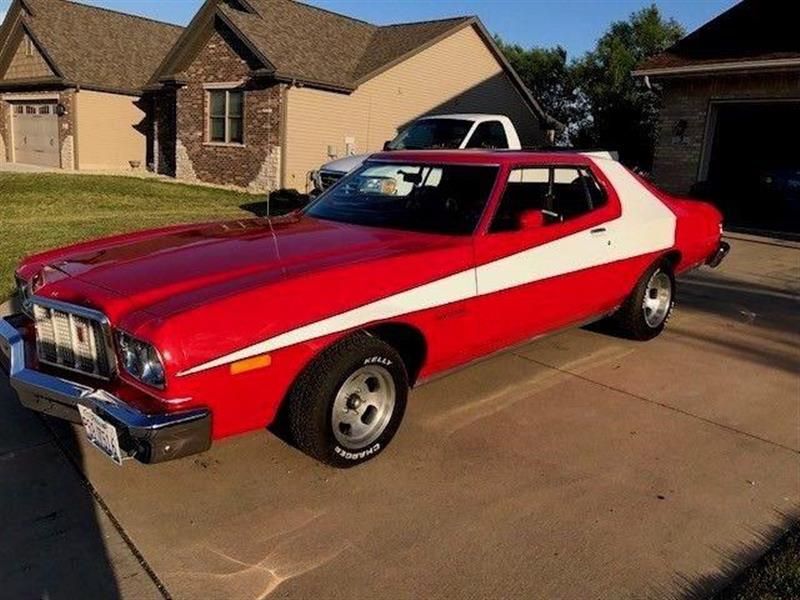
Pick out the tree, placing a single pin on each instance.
(624, 112)
(550, 78)
(596, 97)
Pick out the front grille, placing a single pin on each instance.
(329, 178)
(73, 338)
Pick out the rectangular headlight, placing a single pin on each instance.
(141, 360)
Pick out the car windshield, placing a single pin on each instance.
(432, 134)
(446, 199)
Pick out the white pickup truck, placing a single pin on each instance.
(459, 131)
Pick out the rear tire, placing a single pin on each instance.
(646, 311)
(348, 404)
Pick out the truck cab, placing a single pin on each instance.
(437, 132)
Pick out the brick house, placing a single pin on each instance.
(257, 93)
(71, 79)
(730, 116)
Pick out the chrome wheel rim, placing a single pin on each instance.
(363, 407)
(657, 299)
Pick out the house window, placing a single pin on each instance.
(30, 110)
(28, 46)
(19, 109)
(44, 109)
(225, 116)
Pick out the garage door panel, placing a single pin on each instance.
(36, 134)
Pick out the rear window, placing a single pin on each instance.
(432, 134)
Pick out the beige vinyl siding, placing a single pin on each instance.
(458, 74)
(111, 131)
(23, 66)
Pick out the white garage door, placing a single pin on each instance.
(36, 134)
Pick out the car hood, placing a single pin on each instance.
(174, 270)
(346, 164)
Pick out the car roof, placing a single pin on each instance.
(488, 157)
(477, 117)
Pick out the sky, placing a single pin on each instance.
(574, 24)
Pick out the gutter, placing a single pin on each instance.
(780, 63)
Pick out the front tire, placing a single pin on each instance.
(647, 310)
(348, 404)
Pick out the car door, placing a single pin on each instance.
(537, 259)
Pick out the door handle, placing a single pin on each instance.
(598, 230)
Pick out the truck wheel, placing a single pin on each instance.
(647, 310)
(347, 405)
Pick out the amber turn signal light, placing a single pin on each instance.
(251, 364)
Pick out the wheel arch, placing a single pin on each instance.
(673, 258)
(407, 340)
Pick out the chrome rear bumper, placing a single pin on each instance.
(148, 438)
(722, 251)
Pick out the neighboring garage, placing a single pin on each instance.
(70, 92)
(34, 133)
(730, 117)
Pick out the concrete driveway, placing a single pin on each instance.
(578, 466)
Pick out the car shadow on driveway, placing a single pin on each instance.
(52, 544)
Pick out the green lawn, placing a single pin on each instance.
(775, 577)
(41, 211)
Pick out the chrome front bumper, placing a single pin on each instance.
(148, 438)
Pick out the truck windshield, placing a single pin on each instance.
(432, 134)
(446, 199)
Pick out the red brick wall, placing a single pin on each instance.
(254, 164)
(677, 158)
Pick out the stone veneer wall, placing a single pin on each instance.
(66, 130)
(677, 158)
(255, 164)
(5, 139)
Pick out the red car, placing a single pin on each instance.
(161, 341)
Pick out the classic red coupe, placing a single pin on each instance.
(161, 341)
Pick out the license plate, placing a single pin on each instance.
(101, 434)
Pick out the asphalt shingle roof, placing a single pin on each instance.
(98, 47)
(751, 30)
(315, 45)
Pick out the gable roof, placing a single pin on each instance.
(303, 43)
(751, 34)
(92, 47)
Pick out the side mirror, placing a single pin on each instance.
(531, 219)
(387, 145)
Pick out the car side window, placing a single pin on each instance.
(597, 195)
(490, 134)
(527, 189)
(563, 193)
(570, 197)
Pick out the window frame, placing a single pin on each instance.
(226, 117)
